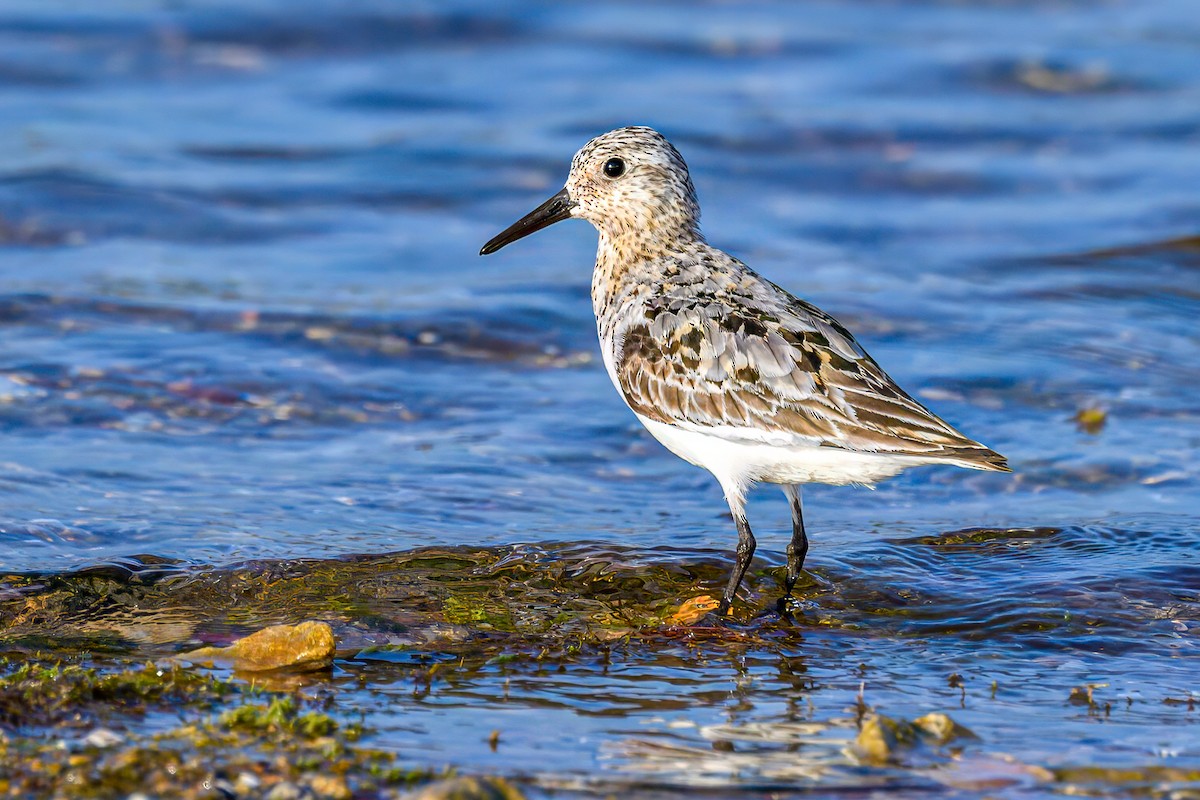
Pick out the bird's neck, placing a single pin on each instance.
(631, 261)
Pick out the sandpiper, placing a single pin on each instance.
(726, 369)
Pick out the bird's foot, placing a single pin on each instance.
(787, 605)
(806, 581)
(791, 607)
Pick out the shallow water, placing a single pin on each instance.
(243, 320)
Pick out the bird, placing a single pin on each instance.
(726, 369)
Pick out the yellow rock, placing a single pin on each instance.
(693, 610)
(1091, 420)
(306, 646)
(468, 789)
(330, 786)
(941, 728)
(880, 737)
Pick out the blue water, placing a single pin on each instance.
(243, 316)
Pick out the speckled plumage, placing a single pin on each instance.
(728, 370)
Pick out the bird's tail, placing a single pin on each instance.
(980, 457)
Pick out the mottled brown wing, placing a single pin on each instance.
(797, 372)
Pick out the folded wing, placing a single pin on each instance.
(790, 374)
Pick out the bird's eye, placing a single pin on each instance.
(614, 168)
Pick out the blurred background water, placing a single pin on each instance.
(243, 316)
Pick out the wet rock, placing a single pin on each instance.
(284, 791)
(991, 773)
(306, 646)
(882, 740)
(693, 610)
(246, 783)
(468, 788)
(881, 737)
(224, 788)
(941, 728)
(330, 786)
(1091, 420)
(1085, 695)
(102, 738)
(1063, 79)
(1089, 779)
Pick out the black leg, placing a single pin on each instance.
(797, 549)
(745, 552)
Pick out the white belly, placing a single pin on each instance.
(740, 462)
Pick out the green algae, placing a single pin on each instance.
(261, 739)
(42, 693)
(478, 609)
(282, 715)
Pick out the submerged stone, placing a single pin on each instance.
(881, 737)
(469, 788)
(941, 728)
(306, 646)
(881, 740)
(330, 786)
(693, 610)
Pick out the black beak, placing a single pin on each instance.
(556, 209)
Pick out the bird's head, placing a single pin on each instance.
(630, 182)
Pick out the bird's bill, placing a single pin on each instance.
(556, 209)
